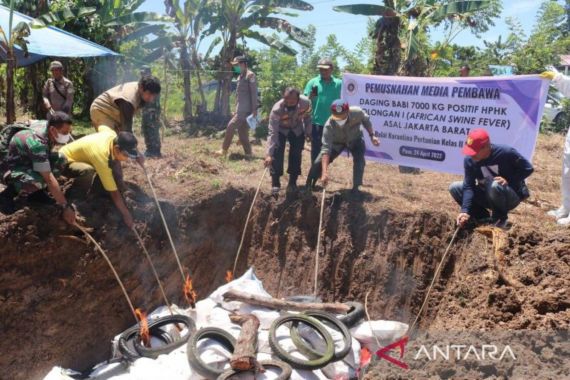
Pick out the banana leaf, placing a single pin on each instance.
(270, 41)
(138, 17)
(143, 31)
(366, 10)
(459, 7)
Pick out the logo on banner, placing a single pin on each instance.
(351, 87)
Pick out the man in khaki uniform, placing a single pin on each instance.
(342, 131)
(58, 91)
(116, 107)
(246, 104)
(290, 120)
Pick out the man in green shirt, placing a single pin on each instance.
(322, 90)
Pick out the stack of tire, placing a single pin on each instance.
(130, 342)
(315, 359)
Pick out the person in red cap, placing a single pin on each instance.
(494, 180)
(342, 131)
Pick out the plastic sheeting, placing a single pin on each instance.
(214, 311)
(49, 42)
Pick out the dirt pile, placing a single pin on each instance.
(60, 303)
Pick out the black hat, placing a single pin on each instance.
(239, 59)
(325, 63)
(127, 143)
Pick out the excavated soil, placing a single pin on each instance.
(60, 305)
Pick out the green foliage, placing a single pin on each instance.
(549, 39)
(405, 25)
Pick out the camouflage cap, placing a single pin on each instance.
(55, 65)
(145, 70)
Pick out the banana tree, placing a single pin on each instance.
(116, 21)
(235, 19)
(189, 21)
(402, 27)
(14, 36)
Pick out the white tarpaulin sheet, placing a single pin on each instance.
(214, 312)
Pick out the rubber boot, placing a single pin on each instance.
(275, 185)
(292, 185)
(41, 197)
(7, 205)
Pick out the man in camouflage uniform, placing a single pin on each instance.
(58, 91)
(246, 104)
(30, 166)
(150, 125)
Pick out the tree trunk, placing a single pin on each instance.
(217, 103)
(388, 47)
(165, 97)
(10, 105)
(185, 63)
(244, 355)
(274, 303)
(203, 105)
(88, 91)
(227, 74)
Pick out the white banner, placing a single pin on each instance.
(424, 122)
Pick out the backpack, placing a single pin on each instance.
(6, 134)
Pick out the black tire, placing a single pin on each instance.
(310, 364)
(355, 314)
(154, 352)
(126, 341)
(333, 322)
(285, 368)
(217, 334)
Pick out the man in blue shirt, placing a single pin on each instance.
(322, 90)
(494, 179)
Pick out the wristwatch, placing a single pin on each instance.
(65, 206)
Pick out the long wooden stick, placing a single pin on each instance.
(88, 235)
(165, 225)
(273, 303)
(247, 220)
(319, 243)
(153, 270)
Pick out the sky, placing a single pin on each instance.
(350, 29)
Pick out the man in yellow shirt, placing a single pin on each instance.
(102, 153)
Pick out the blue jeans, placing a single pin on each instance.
(498, 198)
(316, 141)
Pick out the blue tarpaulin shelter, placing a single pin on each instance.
(49, 42)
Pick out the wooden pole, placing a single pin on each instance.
(244, 355)
(273, 303)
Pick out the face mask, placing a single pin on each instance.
(237, 69)
(63, 139)
(341, 122)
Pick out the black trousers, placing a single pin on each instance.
(296, 144)
(316, 141)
